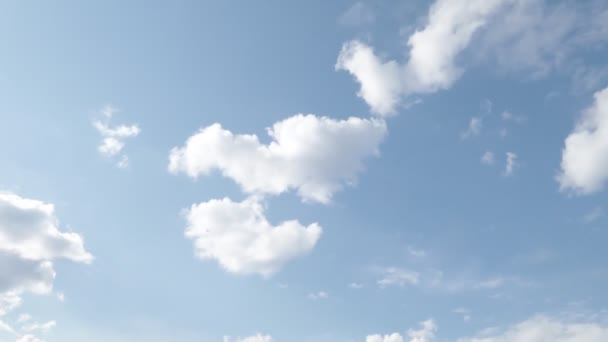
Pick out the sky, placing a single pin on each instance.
(312, 171)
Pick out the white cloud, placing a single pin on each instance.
(316, 156)
(30, 240)
(113, 137)
(537, 37)
(356, 286)
(318, 295)
(29, 230)
(254, 338)
(487, 158)
(42, 327)
(393, 276)
(416, 252)
(9, 301)
(23, 318)
(5, 327)
(584, 165)
(239, 237)
(426, 333)
(432, 53)
(474, 128)
(510, 117)
(29, 338)
(542, 329)
(511, 164)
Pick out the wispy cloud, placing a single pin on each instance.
(113, 137)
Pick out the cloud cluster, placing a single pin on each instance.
(432, 55)
(239, 237)
(113, 137)
(316, 156)
(532, 36)
(584, 165)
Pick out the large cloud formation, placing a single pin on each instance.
(432, 52)
(316, 156)
(30, 241)
(584, 166)
(533, 37)
(239, 237)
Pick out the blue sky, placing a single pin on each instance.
(379, 171)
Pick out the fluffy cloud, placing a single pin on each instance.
(239, 237)
(113, 137)
(584, 166)
(541, 329)
(432, 53)
(29, 230)
(426, 333)
(316, 156)
(30, 240)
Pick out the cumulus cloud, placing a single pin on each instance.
(432, 53)
(30, 240)
(426, 333)
(29, 230)
(316, 156)
(393, 276)
(584, 165)
(113, 137)
(542, 328)
(239, 237)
